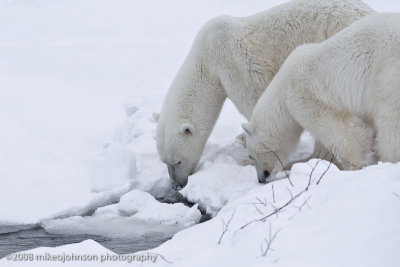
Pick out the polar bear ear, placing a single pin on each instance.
(187, 128)
(248, 128)
(156, 116)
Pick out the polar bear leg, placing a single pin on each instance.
(346, 135)
(387, 136)
(386, 100)
(321, 152)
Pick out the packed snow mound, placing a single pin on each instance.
(115, 168)
(218, 183)
(225, 174)
(137, 134)
(137, 213)
(110, 225)
(143, 206)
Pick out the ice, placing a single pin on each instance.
(137, 213)
(143, 206)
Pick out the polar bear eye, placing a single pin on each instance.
(252, 158)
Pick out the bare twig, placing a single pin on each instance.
(271, 237)
(225, 226)
(259, 202)
(257, 209)
(273, 193)
(330, 163)
(276, 210)
(263, 202)
(315, 167)
(283, 166)
(305, 203)
(163, 258)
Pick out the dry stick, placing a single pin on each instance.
(273, 193)
(276, 210)
(293, 197)
(397, 195)
(262, 202)
(225, 226)
(315, 166)
(269, 241)
(283, 166)
(163, 258)
(330, 163)
(257, 209)
(305, 203)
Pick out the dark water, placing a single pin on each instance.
(26, 239)
(33, 238)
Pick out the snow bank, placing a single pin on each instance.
(348, 219)
(115, 168)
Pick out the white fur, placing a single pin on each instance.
(237, 58)
(339, 90)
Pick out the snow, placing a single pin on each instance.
(80, 82)
(143, 206)
(349, 218)
(115, 168)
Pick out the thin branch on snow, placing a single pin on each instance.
(225, 226)
(259, 202)
(257, 209)
(263, 202)
(163, 258)
(327, 169)
(310, 180)
(282, 165)
(276, 210)
(305, 203)
(273, 193)
(268, 241)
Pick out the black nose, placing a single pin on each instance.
(265, 178)
(176, 187)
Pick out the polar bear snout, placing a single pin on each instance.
(178, 181)
(264, 177)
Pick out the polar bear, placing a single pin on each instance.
(339, 90)
(237, 58)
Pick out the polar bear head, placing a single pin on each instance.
(266, 159)
(180, 145)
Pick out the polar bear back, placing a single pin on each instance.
(342, 71)
(255, 47)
